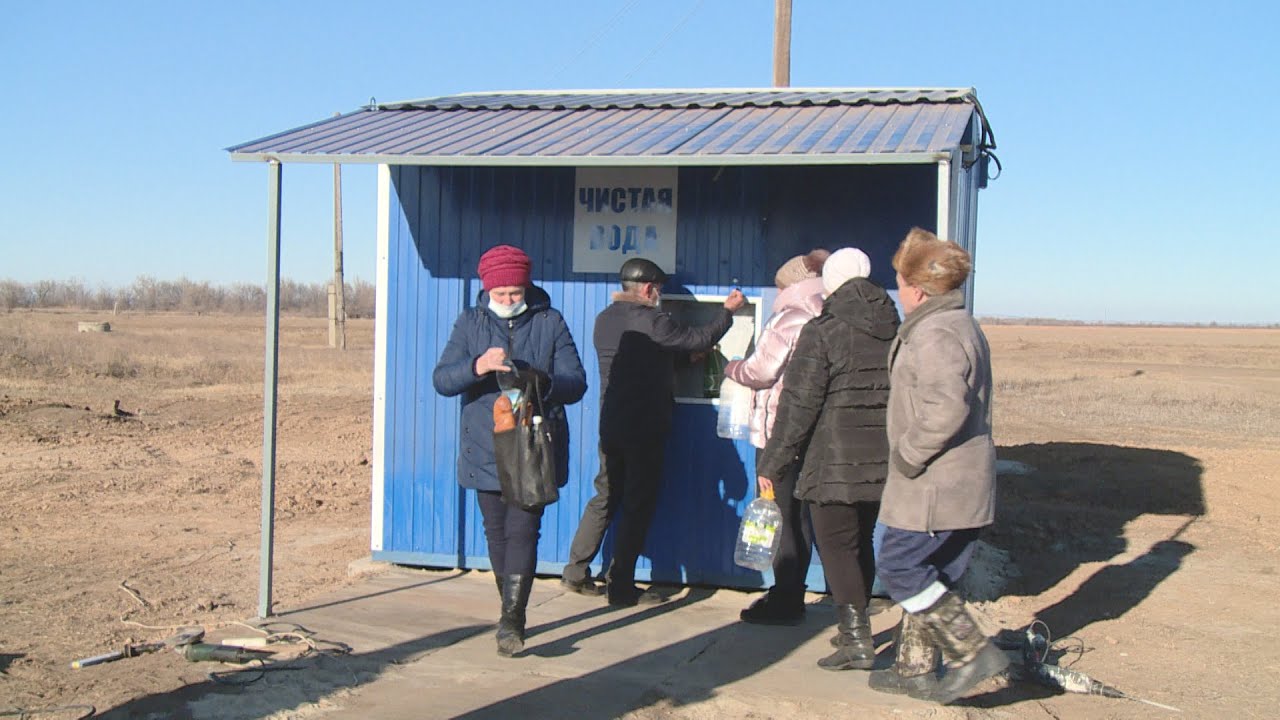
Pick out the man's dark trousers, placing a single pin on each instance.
(629, 480)
(910, 561)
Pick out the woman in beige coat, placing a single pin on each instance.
(941, 487)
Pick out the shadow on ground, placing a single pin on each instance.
(252, 693)
(1072, 509)
(676, 673)
(682, 673)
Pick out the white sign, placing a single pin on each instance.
(621, 213)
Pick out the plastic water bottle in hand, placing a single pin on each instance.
(735, 411)
(759, 533)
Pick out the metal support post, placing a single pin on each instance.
(269, 386)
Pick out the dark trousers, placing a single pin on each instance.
(795, 547)
(512, 534)
(844, 535)
(911, 561)
(628, 481)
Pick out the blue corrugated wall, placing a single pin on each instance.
(734, 223)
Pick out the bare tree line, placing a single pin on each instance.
(148, 294)
(1059, 322)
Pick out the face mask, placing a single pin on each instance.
(506, 312)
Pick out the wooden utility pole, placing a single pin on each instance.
(782, 43)
(337, 291)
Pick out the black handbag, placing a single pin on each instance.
(526, 455)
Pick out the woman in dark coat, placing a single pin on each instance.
(832, 413)
(511, 327)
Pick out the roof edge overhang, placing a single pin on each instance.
(958, 93)
(681, 90)
(920, 158)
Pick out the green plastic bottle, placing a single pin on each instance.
(712, 373)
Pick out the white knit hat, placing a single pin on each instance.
(844, 265)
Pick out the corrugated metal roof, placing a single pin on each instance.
(637, 127)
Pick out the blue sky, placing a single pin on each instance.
(1136, 136)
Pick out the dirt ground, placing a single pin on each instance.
(1139, 509)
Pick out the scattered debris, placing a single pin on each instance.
(181, 640)
(124, 585)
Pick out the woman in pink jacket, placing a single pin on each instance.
(800, 300)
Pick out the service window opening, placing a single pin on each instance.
(698, 381)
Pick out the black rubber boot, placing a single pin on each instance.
(497, 580)
(873, 607)
(515, 598)
(857, 650)
(774, 608)
(630, 596)
(914, 666)
(970, 657)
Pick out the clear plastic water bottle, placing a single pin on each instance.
(759, 533)
(732, 422)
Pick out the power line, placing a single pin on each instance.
(662, 42)
(591, 42)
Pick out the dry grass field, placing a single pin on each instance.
(1145, 523)
(164, 501)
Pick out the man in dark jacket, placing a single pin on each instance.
(832, 413)
(637, 346)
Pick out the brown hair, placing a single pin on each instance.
(931, 264)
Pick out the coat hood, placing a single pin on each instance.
(866, 307)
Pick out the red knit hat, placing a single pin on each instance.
(502, 266)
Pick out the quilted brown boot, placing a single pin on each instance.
(970, 657)
(914, 664)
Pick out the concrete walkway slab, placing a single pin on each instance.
(422, 646)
